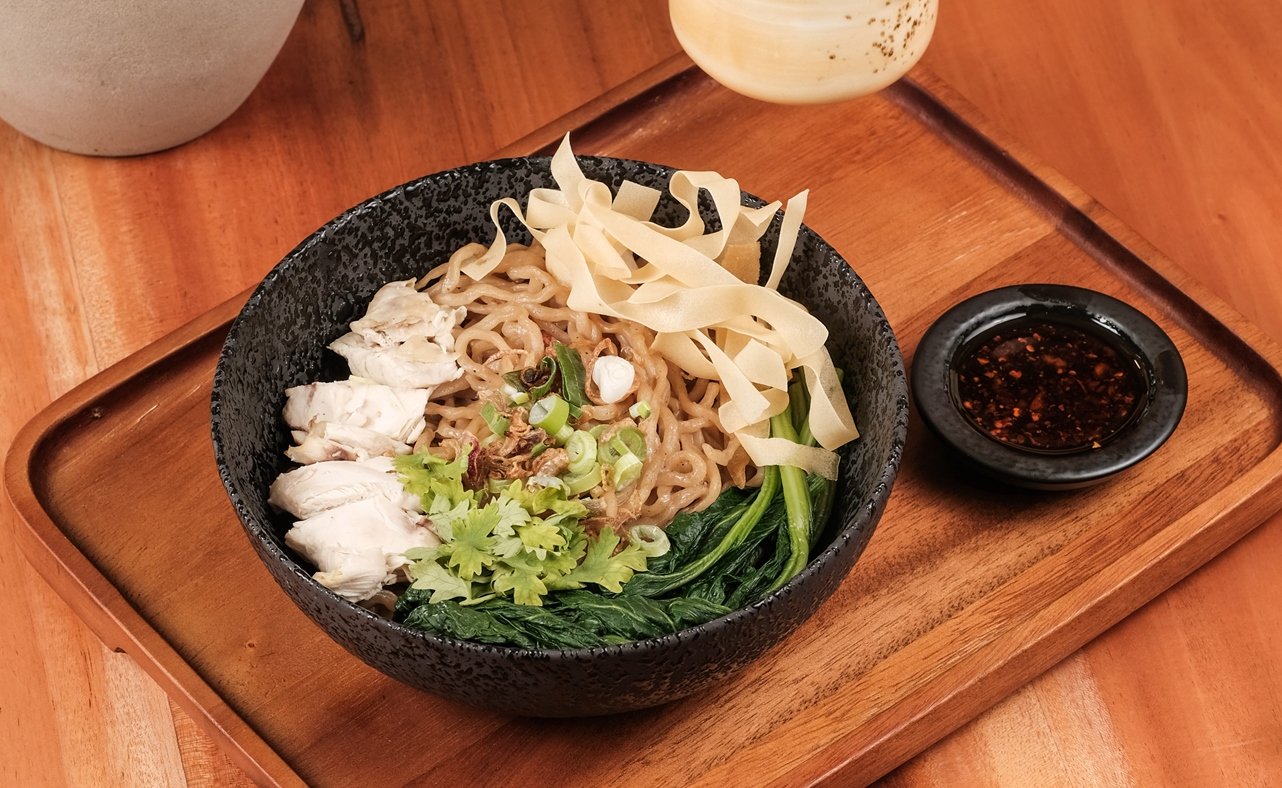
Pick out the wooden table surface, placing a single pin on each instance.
(1170, 119)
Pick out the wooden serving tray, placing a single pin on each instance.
(967, 590)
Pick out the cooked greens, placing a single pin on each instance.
(572, 619)
(515, 541)
(745, 545)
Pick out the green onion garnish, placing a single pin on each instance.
(627, 469)
(633, 440)
(497, 422)
(549, 414)
(652, 540)
(581, 483)
(582, 450)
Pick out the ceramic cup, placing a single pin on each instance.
(122, 77)
(804, 51)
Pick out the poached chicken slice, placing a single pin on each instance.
(404, 339)
(329, 440)
(390, 410)
(358, 547)
(308, 491)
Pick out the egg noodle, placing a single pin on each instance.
(618, 263)
(514, 314)
(713, 354)
(523, 423)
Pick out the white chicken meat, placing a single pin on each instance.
(330, 440)
(404, 339)
(394, 411)
(308, 491)
(358, 547)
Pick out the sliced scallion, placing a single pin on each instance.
(497, 422)
(547, 481)
(640, 410)
(627, 469)
(634, 440)
(581, 448)
(581, 483)
(550, 414)
(652, 539)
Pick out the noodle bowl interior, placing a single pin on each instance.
(513, 316)
(608, 434)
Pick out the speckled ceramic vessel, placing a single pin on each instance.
(311, 296)
(1132, 334)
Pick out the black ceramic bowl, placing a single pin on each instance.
(1135, 344)
(310, 297)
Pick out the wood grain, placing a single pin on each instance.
(973, 591)
(1168, 116)
(1144, 106)
(103, 256)
(1194, 154)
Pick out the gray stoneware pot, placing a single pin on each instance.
(310, 297)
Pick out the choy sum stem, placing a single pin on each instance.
(796, 498)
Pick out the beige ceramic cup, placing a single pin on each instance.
(121, 77)
(804, 51)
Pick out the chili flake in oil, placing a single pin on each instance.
(1046, 386)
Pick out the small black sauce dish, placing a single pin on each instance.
(1049, 387)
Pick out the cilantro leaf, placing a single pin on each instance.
(424, 553)
(434, 479)
(511, 515)
(473, 545)
(563, 561)
(431, 576)
(601, 567)
(520, 575)
(510, 543)
(540, 538)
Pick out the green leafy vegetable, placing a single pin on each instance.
(471, 549)
(570, 619)
(690, 531)
(750, 566)
(822, 493)
(797, 499)
(535, 381)
(573, 376)
(438, 483)
(517, 568)
(511, 541)
(654, 584)
(603, 567)
(521, 573)
(431, 576)
(500, 623)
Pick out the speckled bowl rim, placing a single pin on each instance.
(859, 529)
(1167, 384)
